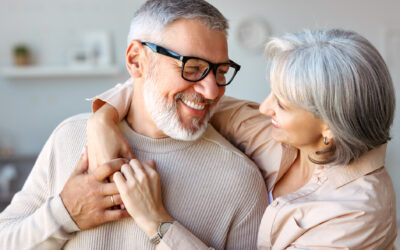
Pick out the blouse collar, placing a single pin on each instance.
(339, 175)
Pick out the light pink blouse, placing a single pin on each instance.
(341, 207)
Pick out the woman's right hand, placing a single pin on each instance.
(104, 140)
(140, 189)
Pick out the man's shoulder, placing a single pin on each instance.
(73, 121)
(74, 125)
(222, 145)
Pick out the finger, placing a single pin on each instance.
(120, 182)
(109, 189)
(112, 200)
(151, 164)
(119, 179)
(83, 164)
(116, 214)
(107, 169)
(138, 169)
(128, 173)
(150, 168)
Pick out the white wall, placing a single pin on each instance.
(30, 109)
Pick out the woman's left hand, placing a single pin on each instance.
(140, 189)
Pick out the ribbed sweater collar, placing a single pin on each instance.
(151, 145)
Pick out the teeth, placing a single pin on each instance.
(275, 123)
(192, 104)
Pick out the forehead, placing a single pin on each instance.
(190, 37)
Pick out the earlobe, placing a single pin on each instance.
(327, 134)
(132, 59)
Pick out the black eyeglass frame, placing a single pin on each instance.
(166, 52)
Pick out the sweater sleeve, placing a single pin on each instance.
(179, 238)
(35, 219)
(119, 97)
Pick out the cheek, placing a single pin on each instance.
(221, 92)
(304, 130)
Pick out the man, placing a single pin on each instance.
(209, 187)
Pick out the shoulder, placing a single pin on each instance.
(73, 123)
(235, 161)
(70, 133)
(218, 142)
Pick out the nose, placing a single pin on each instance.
(266, 106)
(208, 87)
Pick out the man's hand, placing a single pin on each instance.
(87, 196)
(105, 141)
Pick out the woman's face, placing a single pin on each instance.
(291, 124)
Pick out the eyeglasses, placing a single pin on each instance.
(195, 69)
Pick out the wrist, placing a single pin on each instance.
(151, 227)
(163, 227)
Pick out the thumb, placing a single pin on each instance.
(83, 163)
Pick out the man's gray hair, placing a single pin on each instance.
(155, 15)
(340, 77)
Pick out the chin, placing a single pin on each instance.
(191, 133)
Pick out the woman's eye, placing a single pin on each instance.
(279, 105)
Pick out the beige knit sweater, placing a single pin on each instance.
(208, 186)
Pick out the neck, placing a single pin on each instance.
(305, 168)
(138, 118)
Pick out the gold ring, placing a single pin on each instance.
(112, 200)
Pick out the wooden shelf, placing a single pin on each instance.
(59, 71)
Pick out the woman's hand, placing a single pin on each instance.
(104, 140)
(140, 190)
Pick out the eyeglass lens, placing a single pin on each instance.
(195, 69)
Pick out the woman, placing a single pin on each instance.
(331, 108)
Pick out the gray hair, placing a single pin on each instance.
(154, 15)
(341, 78)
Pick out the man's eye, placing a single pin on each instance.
(192, 69)
(222, 71)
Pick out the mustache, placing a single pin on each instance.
(194, 97)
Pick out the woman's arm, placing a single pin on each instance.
(246, 128)
(104, 140)
(237, 120)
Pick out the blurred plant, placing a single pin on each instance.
(21, 55)
(21, 49)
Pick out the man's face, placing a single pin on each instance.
(181, 109)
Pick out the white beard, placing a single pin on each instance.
(165, 115)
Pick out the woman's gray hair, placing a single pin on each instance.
(154, 15)
(340, 77)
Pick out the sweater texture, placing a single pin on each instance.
(208, 186)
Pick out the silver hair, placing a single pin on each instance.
(154, 15)
(340, 77)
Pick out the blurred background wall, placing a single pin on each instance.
(31, 105)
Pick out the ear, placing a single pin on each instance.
(134, 59)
